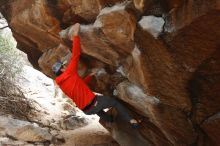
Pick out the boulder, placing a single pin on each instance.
(211, 128)
(171, 81)
(24, 131)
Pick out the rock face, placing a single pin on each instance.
(171, 81)
(23, 131)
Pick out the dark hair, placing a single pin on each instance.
(59, 72)
(56, 68)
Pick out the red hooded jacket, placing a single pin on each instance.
(70, 82)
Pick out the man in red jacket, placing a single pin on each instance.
(75, 87)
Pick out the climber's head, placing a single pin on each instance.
(59, 67)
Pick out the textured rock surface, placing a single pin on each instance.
(183, 12)
(172, 82)
(211, 127)
(23, 130)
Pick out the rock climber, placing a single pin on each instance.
(76, 88)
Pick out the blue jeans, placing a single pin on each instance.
(103, 102)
